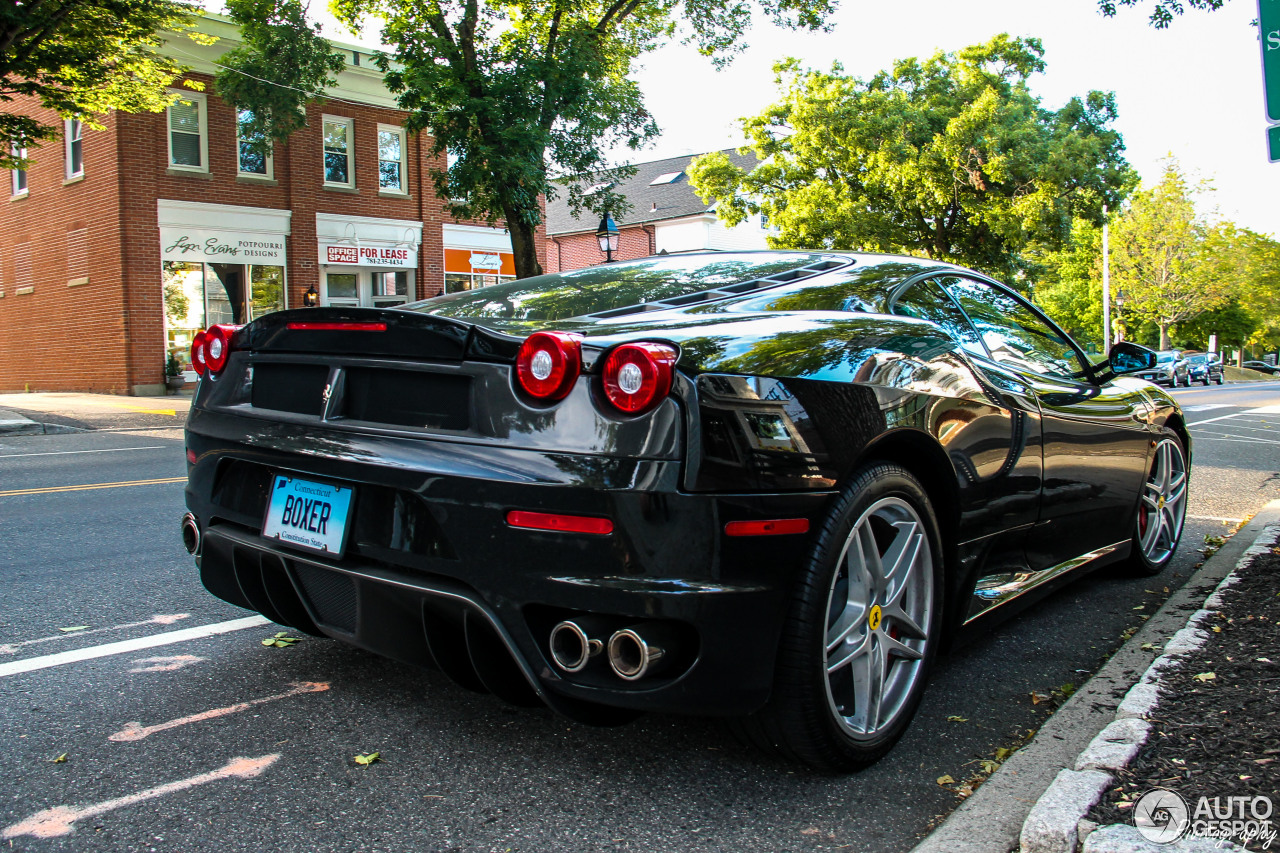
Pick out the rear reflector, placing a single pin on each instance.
(773, 527)
(337, 327)
(560, 523)
(191, 456)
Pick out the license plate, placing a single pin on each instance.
(308, 515)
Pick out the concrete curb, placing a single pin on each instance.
(12, 423)
(1053, 823)
(992, 820)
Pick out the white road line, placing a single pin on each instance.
(1213, 518)
(1265, 411)
(124, 646)
(67, 452)
(158, 619)
(1236, 440)
(1204, 407)
(1274, 432)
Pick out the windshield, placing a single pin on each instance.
(608, 286)
(1164, 357)
(1195, 359)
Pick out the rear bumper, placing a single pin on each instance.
(433, 575)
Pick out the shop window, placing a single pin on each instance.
(266, 294)
(198, 295)
(253, 151)
(455, 282)
(390, 288)
(391, 159)
(339, 170)
(342, 289)
(73, 137)
(188, 136)
(19, 175)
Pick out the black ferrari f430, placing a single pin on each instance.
(765, 485)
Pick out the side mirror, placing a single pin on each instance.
(1129, 358)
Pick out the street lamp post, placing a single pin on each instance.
(1120, 316)
(1106, 285)
(607, 236)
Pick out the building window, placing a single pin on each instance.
(390, 288)
(391, 158)
(253, 152)
(73, 134)
(19, 175)
(188, 134)
(339, 170)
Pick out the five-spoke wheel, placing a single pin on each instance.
(863, 628)
(1162, 507)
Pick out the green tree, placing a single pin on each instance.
(82, 58)
(1169, 264)
(952, 157)
(282, 65)
(518, 91)
(1069, 287)
(1162, 11)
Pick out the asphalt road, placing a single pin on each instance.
(219, 743)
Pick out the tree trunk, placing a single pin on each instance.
(523, 246)
(1164, 336)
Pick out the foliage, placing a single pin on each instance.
(1070, 285)
(517, 91)
(1168, 263)
(952, 157)
(1162, 12)
(282, 65)
(82, 58)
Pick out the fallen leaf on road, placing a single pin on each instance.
(365, 760)
(61, 759)
(74, 628)
(955, 719)
(810, 831)
(1037, 698)
(282, 640)
(1148, 647)
(1205, 676)
(946, 780)
(1002, 753)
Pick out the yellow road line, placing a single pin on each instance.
(146, 410)
(12, 492)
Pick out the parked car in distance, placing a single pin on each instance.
(1170, 369)
(1262, 367)
(1204, 367)
(760, 485)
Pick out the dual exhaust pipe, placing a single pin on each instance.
(191, 534)
(631, 656)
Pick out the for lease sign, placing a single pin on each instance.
(374, 256)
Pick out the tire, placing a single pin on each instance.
(861, 634)
(1207, 380)
(1162, 508)
(1218, 379)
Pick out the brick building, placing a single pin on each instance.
(666, 216)
(117, 245)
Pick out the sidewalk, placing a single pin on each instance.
(55, 412)
(1011, 810)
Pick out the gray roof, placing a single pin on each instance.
(648, 203)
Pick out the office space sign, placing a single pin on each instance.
(371, 256)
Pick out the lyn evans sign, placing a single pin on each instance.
(229, 247)
(369, 256)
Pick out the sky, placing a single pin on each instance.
(1193, 90)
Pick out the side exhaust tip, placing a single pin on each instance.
(191, 534)
(630, 656)
(571, 648)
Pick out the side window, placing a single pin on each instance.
(188, 132)
(926, 301)
(1012, 332)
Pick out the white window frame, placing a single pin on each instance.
(68, 140)
(202, 106)
(271, 169)
(17, 151)
(351, 154)
(403, 189)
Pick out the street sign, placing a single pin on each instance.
(1273, 143)
(1269, 27)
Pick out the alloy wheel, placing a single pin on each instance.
(1162, 509)
(878, 611)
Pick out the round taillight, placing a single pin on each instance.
(548, 364)
(197, 353)
(217, 346)
(638, 377)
